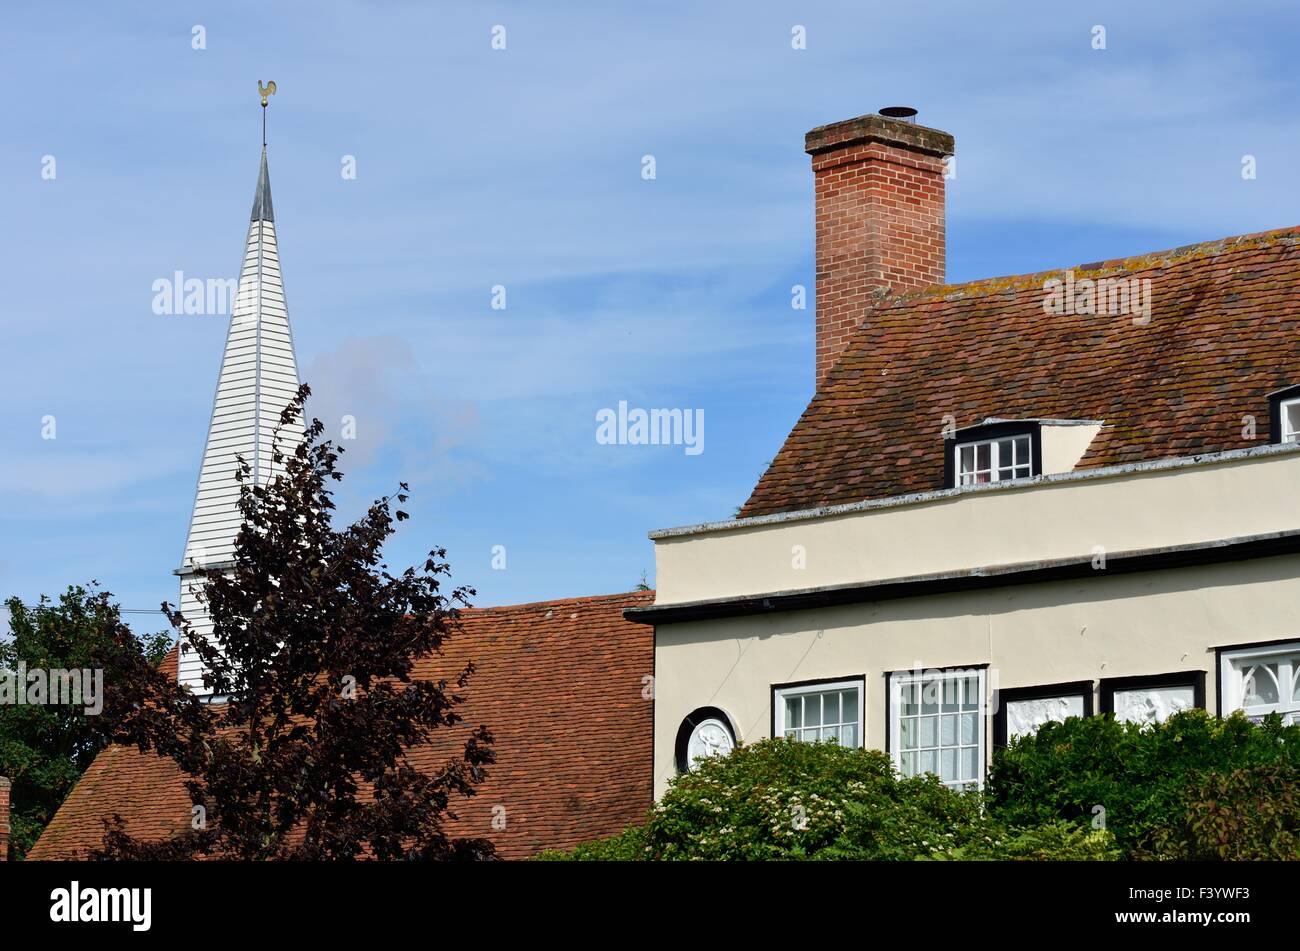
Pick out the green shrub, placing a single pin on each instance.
(1247, 814)
(1140, 776)
(779, 799)
(628, 846)
(1194, 787)
(1058, 841)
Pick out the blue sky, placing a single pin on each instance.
(522, 167)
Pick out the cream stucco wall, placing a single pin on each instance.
(1065, 443)
(1125, 625)
(1056, 517)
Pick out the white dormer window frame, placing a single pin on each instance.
(994, 452)
(1284, 414)
(1289, 417)
(994, 460)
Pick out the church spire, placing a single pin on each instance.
(259, 377)
(262, 210)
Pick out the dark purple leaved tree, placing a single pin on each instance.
(313, 648)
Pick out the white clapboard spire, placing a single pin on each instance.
(259, 377)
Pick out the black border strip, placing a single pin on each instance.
(1001, 697)
(1183, 678)
(1120, 563)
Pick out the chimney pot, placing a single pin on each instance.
(905, 113)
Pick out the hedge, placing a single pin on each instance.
(1136, 780)
(781, 799)
(1193, 787)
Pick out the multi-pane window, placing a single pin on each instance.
(937, 725)
(994, 460)
(1291, 421)
(1263, 680)
(821, 712)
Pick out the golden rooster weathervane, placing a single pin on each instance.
(264, 91)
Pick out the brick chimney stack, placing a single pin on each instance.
(4, 819)
(878, 183)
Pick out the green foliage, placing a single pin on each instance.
(1193, 787)
(1145, 778)
(317, 649)
(628, 846)
(779, 799)
(1054, 841)
(44, 748)
(1247, 814)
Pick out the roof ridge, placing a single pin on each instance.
(1147, 259)
(534, 605)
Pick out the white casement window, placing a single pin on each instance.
(827, 711)
(994, 460)
(1262, 680)
(936, 724)
(1290, 413)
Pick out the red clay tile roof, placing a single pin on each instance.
(1224, 332)
(559, 683)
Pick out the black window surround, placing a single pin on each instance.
(1077, 688)
(1185, 678)
(694, 719)
(1275, 401)
(984, 432)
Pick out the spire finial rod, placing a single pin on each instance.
(264, 91)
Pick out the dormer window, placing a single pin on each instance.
(994, 460)
(994, 452)
(1291, 420)
(1284, 413)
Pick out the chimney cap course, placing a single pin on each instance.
(905, 134)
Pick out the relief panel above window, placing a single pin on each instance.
(1024, 711)
(1152, 699)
